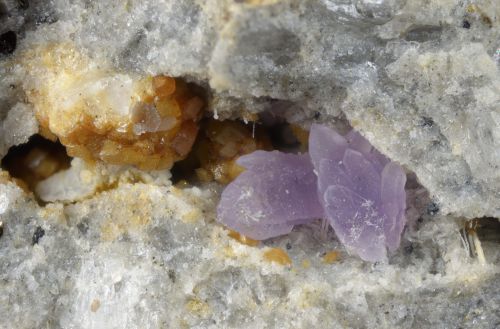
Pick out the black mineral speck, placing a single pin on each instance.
(23, 4)
(171, 275)
(409, 249)
(288, 246)
(1, 229)
(83, 226)
(8, 42)
(466, 24)
(427, 122)
(39, 233)
(46, 18)
(432, 209)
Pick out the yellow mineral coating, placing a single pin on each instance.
(243, 239)
(472, 8)
(5, 178)
(192, 216)
(218, 147)
(53, 211)
(309, 297)
(101, 114)
(302, 136)
(94, 306)
(277, 255)
(134, 215)
(228, 252)
(331, 257)
(198, 307)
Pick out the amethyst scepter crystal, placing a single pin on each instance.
(343, 179)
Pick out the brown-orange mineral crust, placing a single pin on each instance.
(161, 130)
(222, 144)
(100, 114)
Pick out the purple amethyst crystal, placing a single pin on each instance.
(276, 192)
(357, 189)
(362, 192)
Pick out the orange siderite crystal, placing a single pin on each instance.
(161, 130)
(221, 144)
(101, 114)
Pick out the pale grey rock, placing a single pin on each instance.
(419, 79)
(149, 256)
(447, 131)
(17, 127)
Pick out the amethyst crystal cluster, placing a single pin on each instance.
(343, 179)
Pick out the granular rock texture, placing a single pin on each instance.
(114, 246)
(150, 256)
(419, 79)
(101, 114)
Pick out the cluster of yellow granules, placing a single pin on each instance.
(142, 141)
(100, 114)
(219, 145)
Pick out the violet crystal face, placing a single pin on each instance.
(343, 179)
(362, 192)
(276, 192)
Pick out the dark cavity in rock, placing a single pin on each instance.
(8, 42)
(23, 4)
(432, 209)
(39, 233)
(35, 161)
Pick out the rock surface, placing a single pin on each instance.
(414, 77)
(419, 79)
(150, 256)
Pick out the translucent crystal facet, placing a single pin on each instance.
(276, 192)
(343, 179)
(361, 191)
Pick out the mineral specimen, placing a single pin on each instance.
(98, 113)
(418, 79)
(219, 145)
(276, 192)
(360, 191)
